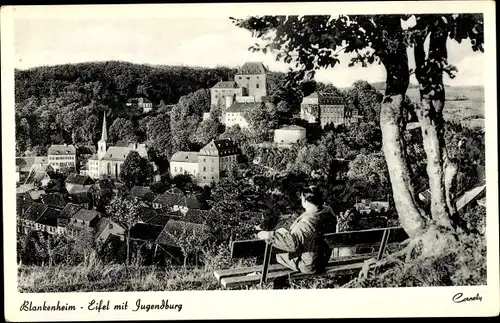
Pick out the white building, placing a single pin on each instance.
(184, 162)
(62, 156)
(289, 134)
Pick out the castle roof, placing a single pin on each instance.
(239, 107)
(226, 85)
(185, 156)
(252, 68)
(64, 150)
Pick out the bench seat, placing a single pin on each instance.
(238, 276)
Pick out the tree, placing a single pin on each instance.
(263, 120)
(122, 129)
(136, 170)
(208, 130)
(314, 42)
(126, 212)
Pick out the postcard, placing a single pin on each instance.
(258, 160)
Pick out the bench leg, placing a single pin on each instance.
(265, 265)
(383, 244)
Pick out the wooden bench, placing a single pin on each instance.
(373, 238)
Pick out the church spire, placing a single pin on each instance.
(104, 134)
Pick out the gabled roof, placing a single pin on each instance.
(34, 211)
(53, 199)
(174, 229)
(62, 150)
(79, 179)
(251, 68)
(49, 217)
(86, 215)
(79, 189)
(79, 197)
(220, 147)
(145, 232)
(185, 156)
(190, 201)
(226, 85)
(240, 107)
(103, 223)
(167, 199)
(69, 210)
(155, 217)
(121, 153)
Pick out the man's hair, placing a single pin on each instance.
(313, 195)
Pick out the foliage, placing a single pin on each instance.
(263, 120)
(136, 170)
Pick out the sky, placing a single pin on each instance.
(206, 42)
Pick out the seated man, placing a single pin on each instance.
(304, 243)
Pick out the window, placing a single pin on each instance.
(175, 169)
(204, 169)
(212, 169)
(257, 85)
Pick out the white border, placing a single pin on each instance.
(387, 302)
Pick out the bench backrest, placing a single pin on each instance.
(256, 247)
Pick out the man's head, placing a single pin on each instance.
(311, 198)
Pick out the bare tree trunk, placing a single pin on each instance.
(392, 125)
(128, 247)
(440, 170)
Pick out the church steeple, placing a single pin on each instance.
(104, 134)
(101, 145)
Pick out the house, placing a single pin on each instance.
(141, 103)
(224, 89)
(188, 202)
(289, 134)
(216, 159)
(65, 216)
(105, 227)
(80, 181)
(62, 156)
(327, 108)
(31, 216)
(251, 77)
(166, 201)
(184, 162)
(367, 206)
(83, 220)
(55, 200)
(47, 222)
(235, 113)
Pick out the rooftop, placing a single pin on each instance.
(120, 153)
(62, 150)
(34, 211)
(69, 210)
(196, 216)
(143, 192)
(185, 156)
(239, 107)
(220, 147)
(292, 127)
(145, 232)
(86, 215)
(79, 179)
(79, 197)
(168, 199)
(49, 217)
(226, 85)
(250, 68)
(154, 217)
(53, 199)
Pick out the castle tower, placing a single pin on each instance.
(101, 145)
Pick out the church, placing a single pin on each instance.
(108, 160)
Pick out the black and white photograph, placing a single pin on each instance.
(235, 150)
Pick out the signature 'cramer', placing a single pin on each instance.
(459, 298)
